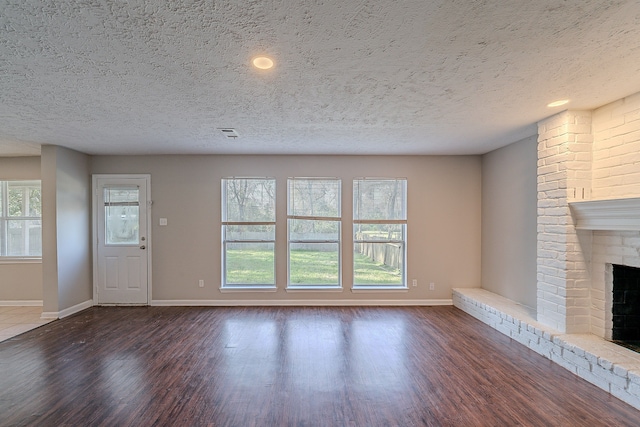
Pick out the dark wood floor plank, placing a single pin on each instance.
(288, 366)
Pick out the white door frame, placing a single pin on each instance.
(94, 219)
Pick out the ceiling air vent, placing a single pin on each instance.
(230, 133)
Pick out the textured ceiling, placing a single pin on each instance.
(351, 77)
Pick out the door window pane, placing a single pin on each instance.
(122, 215)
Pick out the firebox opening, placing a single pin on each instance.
(626, 306)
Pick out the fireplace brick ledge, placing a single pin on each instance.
(608, 214)
(608, 366)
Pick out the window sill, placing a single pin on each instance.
(19, 260)
(374, 288)
(230, 289)
(309, 288)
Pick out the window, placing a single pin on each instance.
(314, 219)
(20, 219)
(379, 232)
(248, 232)
(121, 214)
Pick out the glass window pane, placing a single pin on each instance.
(314, 264)
(303, 229)
(379, 199)
(250, 264)
(16, 199)
(378, 263)
(249, 199)
(35, 201)
(250, 232)
(24, 238)
(121, 213)
(378, 231)
(122, 225)
(314, 197)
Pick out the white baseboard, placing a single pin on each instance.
(76, 308)
(67, 311)
(314, 302)
(22, 303)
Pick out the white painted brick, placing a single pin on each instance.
(620, 370)
(599, 125)
(522, 339)
(593, 379)
(608, 376)
(576, 360)
(554, 299)
(530, 336)
(626, 396)
(548, 220)
(631, 146)
(634, 389)
(565, 364)
(557, 264)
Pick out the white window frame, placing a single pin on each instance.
(5, 218)
(338, 241)
(225, 240)
(403, 284)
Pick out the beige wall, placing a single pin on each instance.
(66, 223)
(509, 221)
(444, 202)
(20, 281)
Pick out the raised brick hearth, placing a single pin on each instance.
(609, 366)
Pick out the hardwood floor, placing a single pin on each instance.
(293, 366)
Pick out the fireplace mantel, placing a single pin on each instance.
(611, 214)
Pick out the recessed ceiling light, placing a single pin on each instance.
(558, 103)
(262, 62)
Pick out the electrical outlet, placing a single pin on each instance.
(414, 283)
(432, 286)
(201, 283)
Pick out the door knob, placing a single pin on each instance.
(143, 247)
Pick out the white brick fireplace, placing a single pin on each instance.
(588, 219)
(588, 213)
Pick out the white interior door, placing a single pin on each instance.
(121, 239)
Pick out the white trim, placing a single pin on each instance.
(230, 289)
(374, 289)
(20, 260)
(67, 311)
(297, 302)
(312, 288)
(612, 214)
(75, 309)
(22, 303)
